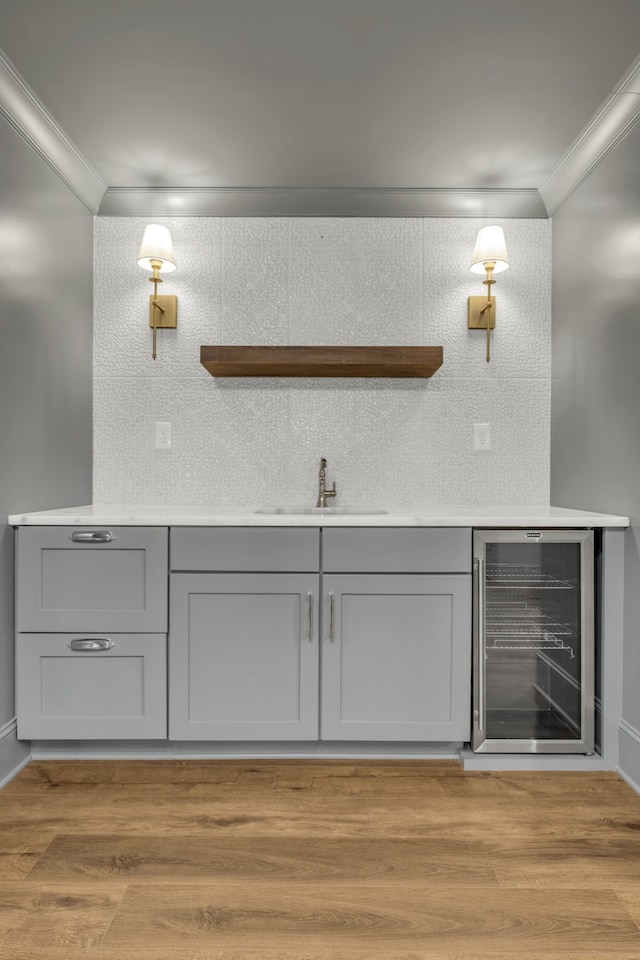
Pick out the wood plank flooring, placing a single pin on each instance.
(293, 860)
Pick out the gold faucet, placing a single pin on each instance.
(323, 493)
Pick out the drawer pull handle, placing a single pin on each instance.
(91, 646)
(92, 536)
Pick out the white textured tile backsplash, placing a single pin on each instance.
(257, 442)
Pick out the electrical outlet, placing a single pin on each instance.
(481, 436)
(163, 435)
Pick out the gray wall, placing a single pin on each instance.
(46, 250)
(595, 406)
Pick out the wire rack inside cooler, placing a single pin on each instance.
(516, 576)
(523, 627)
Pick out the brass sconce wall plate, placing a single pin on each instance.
(478, 318)
(167, 315)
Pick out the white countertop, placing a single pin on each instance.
(198, 516)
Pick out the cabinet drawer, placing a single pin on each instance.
(245, 549)
(108, 693)
(73, 578)
(396, 550)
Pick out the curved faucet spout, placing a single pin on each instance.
(323, 493)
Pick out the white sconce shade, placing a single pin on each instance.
(490, 248)
(156, 245)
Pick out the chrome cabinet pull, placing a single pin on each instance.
(310, 613)
(331, 622)
(92, 536)
(91, 645)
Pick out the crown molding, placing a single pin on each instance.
(630, 82)
(612, 122)
(28, 116)
(319, 202)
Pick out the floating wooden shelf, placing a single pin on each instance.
(241, 361)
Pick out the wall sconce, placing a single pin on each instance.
(490, 255)
(156, 254)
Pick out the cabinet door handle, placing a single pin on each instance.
(331, 621)
(310, 615)
(92, 536)
(91, 645)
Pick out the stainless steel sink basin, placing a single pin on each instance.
(320, 511)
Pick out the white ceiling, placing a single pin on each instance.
(322, 93)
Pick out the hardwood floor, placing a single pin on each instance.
(292, 860)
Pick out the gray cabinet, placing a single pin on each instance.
(243, 648)
(396, 653)
(244, 656)
(266, 642)
(396, 650)
(93, 579)
(396, 657)
(91, 647)
(91, 687)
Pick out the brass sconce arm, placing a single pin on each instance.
(155, 306)
(488, 306)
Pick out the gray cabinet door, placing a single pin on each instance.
(243, 656)
(396, 657)
(92, 579)
(91, 687)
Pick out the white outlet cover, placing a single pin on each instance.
(482, 436)
(163, 435)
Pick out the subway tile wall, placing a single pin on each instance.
(254, 442)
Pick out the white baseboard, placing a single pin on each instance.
(250, 750)
(14, 754)
(531, 761)
(629, 754)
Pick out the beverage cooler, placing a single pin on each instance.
(533, 686)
